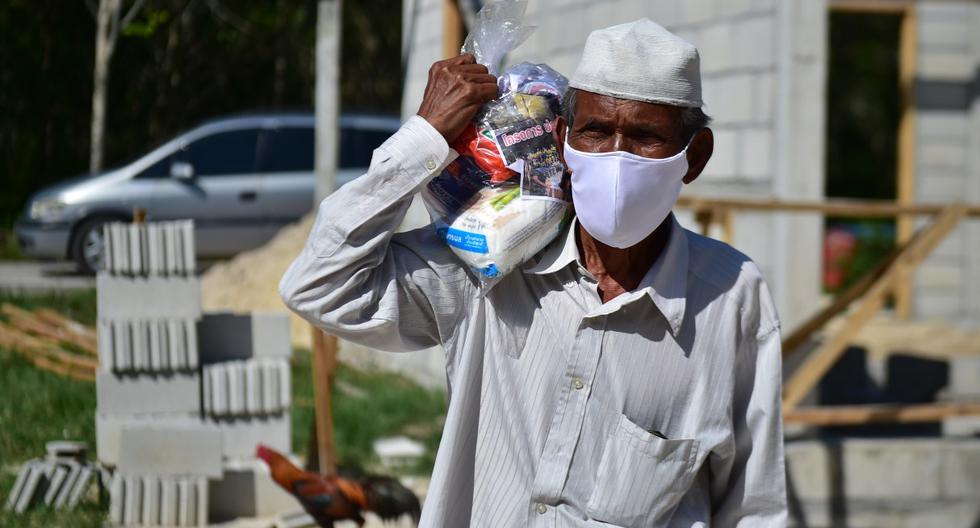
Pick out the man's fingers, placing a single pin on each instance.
(485, 91)
(480, 78)
(471, 68)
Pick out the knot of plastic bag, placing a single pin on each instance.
(498, 30)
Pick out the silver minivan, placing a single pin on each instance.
(240, 179)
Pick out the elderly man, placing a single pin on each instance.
(629, 374)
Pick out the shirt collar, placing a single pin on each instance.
(665, 282)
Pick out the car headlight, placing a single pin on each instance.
(46, 209)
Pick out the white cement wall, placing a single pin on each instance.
(947, 286)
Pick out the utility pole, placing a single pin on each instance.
(327, 98)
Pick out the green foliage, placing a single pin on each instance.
(368, 406)
(9, 249)
(862, 106)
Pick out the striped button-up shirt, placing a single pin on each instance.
(660, 407)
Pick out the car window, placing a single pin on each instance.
(286, 150)
(160, 169)
(357, 146)
(224, 153)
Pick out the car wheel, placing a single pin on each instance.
(88, 246)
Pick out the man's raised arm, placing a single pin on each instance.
(354, 278)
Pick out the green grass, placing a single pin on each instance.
(77, 304)
(36, 407)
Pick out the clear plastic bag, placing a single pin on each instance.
(506, 196)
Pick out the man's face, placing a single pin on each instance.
(607, 124)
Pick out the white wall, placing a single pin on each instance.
(947, 285)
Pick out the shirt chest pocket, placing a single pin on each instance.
(641, 477)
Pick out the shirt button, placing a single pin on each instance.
(577, 383)
(541, 508)
(430, 164)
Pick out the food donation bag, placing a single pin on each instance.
(506, 196)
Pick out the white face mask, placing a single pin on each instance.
(620, 198)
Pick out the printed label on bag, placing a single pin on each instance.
(464, 240)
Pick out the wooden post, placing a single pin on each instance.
(908, 42)
(452, 29)
(824, 357)
(868, 414)
(324, 366)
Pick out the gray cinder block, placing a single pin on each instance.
(171, 450)
(132, 505)
(964, 375)
(164, 392)
(116, 498)
(240, 436)
(109, 427)
(247, 490)
(152, 297)
(190, 257)
(168, 502)
(151, 501)
(225, 336)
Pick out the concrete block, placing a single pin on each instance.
(168, 502)
(109, 427)
(108, 256)
(104, 338)
(135, 249)
(58, 475)
(946, 65)
(253, 380)
(164, 392)
(80, 488)
(961, 426)
(241, 435)
(757, 148)
(132, 505)
(177, 345)
(170, 249)
(961, 470)
(964, 373)
(190, 342)
(159, 358)
(186, 504)
(63, 491)
(219, 390)
(225, 336)
(271, 391)
(154, 242)
(892, 469)
(140, 344)
(116, 498)
(756, 42)
(236, 387)
(246, 489)
(148, 297)
(171, 450)
(190, 256)
(122, 357)
(723, 162)
(151, 501)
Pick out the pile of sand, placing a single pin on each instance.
(250, 281)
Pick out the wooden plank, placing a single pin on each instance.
(836, 207)
(33, 323)
(905, 164)
(877, 414)
(324, 366)
(85, 333)
(824, 357)
(803, 332)
(47, 355)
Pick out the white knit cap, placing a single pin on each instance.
(641, 61)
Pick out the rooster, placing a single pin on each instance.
(334, 498)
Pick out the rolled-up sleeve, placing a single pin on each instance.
(749, 488)
(358, 280)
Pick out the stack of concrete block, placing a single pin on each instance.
(59, 480)
(150, 249)
(964, 386)
(183, 398)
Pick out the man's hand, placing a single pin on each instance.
(456, 90)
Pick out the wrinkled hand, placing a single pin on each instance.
(456, 90)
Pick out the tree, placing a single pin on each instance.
(108, 23)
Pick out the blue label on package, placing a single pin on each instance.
(464, 240)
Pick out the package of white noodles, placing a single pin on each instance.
(507, 195)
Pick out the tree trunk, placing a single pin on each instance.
(105, 40)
